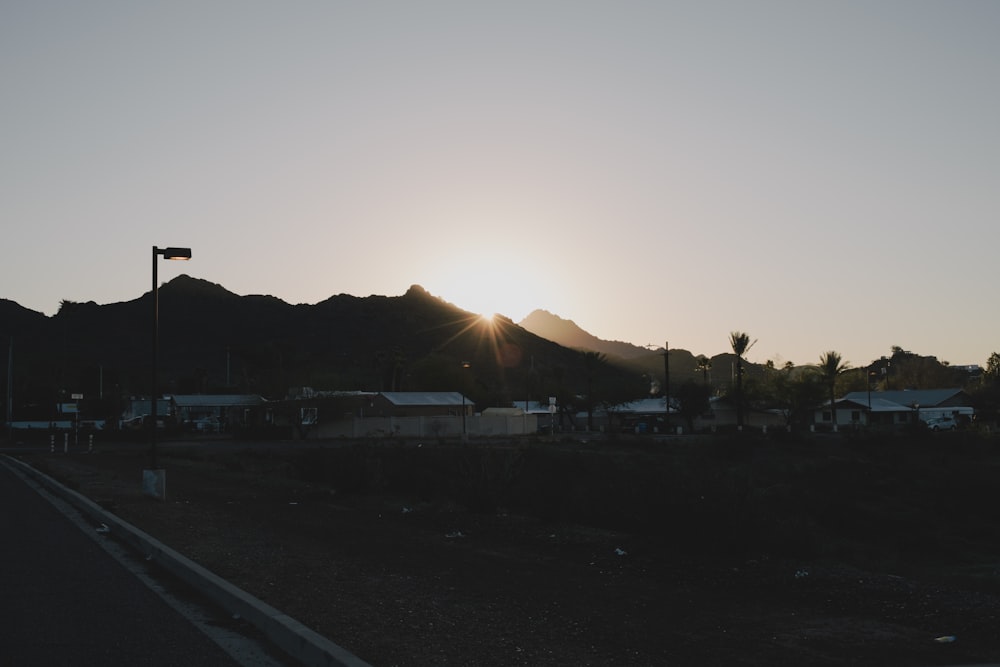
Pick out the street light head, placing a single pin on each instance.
(176, 253)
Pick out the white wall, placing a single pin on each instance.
(424, 427)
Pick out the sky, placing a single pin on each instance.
(820, 175)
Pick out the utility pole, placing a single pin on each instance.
(666, 380)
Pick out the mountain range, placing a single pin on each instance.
(569, 334)
(212, 341)
(683, 365)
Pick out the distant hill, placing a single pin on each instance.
(212, 340)
(14, 316)
(683, 364)
(568, 334)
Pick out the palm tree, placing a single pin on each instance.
(704, 365)
(740, 342)
(830, 367)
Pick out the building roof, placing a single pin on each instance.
(413, 398)
(878, 404)
(926, 398)
(216, 400)
(300, 393)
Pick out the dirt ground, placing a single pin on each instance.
(399, 582)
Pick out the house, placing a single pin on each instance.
(138, 409)
(368, 414)
(723, 414)
(648, 415)
(307, 412)
(213, 412)
(543, 416)
(895, 408)
(644, 415)
(420, 404)
(310, 413)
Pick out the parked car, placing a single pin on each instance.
(941, 424)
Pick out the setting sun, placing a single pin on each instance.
(490, 285)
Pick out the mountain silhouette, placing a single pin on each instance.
(214, 341)
(568, 334)
(683, 364)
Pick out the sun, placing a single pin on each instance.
(490, 277)
(489, 298)
(489, 331)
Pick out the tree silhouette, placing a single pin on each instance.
(740, 343)
(830, 367)
(692, 399)
(794, 393)
(704, 365)
(987, 396)
(992, 372)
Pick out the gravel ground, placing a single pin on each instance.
(407, 583)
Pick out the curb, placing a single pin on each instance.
(291, 636)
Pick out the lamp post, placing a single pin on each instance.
(154, 483)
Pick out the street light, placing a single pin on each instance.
(154, 483)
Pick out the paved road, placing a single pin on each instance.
(65, 601)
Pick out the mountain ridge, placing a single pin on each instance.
(569, 334)
(214, 341)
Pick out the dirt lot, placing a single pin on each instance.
(399, 581)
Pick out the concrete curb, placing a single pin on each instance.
(291, 636)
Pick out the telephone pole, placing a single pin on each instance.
(666, 380)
